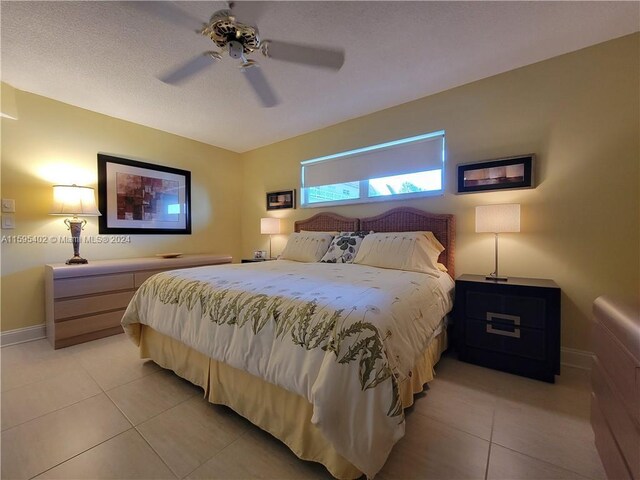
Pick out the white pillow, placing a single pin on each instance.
(306, 246)
(344, 247)
(412, 251)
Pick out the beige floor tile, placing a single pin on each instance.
(146, 397)
(16, 375)
(118, 370)
(125, 456)
(472, 376)
(433, 450)
(562, 439)
(112, 361)
(31, 401)
(111, 344)
(192, 432)
(505, 464)
(258, 455)
(570, 395)
(30, 352)
(464, 407)
(36, 446)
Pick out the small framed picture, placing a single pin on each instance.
(259, 254)
(498, 174)
(280, 200)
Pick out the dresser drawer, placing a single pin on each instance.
(506, 338)
(73, 287)
(84, 325)
(529, 310)
(77, 307)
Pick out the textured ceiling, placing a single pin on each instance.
(106, 57)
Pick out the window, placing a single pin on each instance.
(400, 169)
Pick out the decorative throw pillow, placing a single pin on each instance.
(344, 247)
(412, 251)
(306, 247)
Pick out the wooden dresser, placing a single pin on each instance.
(85, 302)
(615, 382)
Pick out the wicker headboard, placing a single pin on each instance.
(405, 219)
(327, 222)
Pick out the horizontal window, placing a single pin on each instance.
(332, 193)
(406, 183)
(402, 168)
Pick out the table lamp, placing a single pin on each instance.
(75, 201)
(497, 219)
(270, 226)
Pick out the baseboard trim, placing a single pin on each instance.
(21, 335)
(576, 358)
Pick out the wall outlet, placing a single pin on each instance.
(8, 206)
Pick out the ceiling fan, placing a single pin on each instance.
(238, 40)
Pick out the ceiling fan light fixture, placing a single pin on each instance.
(235, 50)
(239, 40)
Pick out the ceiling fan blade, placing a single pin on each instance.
(248, 12)
(259, 83)
(170, 12)
(188, 69)
(306, 54)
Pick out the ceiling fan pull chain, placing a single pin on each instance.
(264, 47)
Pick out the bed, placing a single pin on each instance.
(325, 357)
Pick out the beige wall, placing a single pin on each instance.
(578, 112)
(52, 142)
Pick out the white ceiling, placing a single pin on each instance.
(106, 57)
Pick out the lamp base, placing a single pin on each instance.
(495, 278)
(76, 260)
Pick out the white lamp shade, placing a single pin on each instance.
(74, 200)
(270, 226)
(500, 218)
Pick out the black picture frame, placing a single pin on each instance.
(499, 174)
(125, 214)
(281, 200)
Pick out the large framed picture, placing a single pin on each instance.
(142, 198)
(498, 174)
(280, 200)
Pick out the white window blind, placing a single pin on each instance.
(332, 175)
(396, 159)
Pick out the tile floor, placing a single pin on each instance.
(97, 411)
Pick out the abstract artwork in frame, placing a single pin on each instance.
(142, 198)
(498, 174)
(280, 200)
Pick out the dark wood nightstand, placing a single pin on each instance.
(254, 260)
(512, 326)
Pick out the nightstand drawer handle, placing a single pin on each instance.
(503, 316)
(514, 334)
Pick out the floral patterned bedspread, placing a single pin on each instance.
(340, 335)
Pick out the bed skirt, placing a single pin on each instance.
(285, 415)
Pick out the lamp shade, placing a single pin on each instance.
(74, 200)
(500, 218)
(270, 226)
